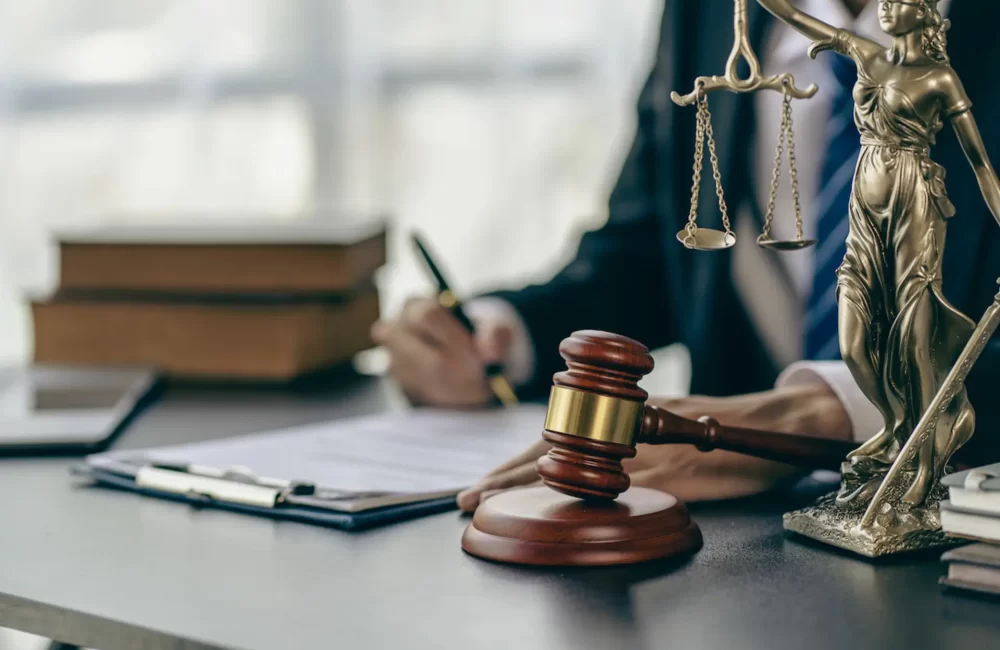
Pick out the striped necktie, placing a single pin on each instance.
(843, 147)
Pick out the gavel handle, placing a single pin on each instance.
(661, 427)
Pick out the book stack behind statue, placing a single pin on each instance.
(258, 301)
(973, 512)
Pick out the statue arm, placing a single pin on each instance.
(823, 35)
(955, 104)
(972, 143)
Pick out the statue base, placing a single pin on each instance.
(893, 531)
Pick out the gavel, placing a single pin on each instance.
(586, 514)
(597, 414)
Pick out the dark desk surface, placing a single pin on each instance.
(118, 572)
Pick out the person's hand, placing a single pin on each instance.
(692, 475)
(435, 360)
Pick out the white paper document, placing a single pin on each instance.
(423, 451)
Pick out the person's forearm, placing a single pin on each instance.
(864, 418)
(806, 409)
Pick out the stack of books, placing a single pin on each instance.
(973, 512)
(259, 301)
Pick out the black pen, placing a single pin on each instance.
(494, 371)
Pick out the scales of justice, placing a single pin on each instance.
(908, 348)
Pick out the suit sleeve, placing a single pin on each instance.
(617, 280)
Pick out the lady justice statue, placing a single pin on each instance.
(899, 335)
(907, 347)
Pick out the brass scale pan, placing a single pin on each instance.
(710, 239)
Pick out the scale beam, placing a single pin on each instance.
(731, 81)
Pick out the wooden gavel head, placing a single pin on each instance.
(595, 411)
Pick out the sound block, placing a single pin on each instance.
(543, 527)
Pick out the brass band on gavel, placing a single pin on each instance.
(593, 416)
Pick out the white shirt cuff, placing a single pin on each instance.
(519, 364)
(865, 418)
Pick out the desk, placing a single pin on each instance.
(118, 572)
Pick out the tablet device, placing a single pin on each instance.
(65, 409)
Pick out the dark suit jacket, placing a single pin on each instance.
(633, 277)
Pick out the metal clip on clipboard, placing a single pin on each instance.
(208, 487)
(235, 485)
(238, 488)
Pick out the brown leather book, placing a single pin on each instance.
(249, 337)
(289, 256)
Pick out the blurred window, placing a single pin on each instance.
(495, 126)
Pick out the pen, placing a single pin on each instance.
(494, 371)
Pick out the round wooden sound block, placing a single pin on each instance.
(541, 526)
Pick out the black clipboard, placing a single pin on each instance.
(262, 501)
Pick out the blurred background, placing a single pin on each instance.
(497, 127)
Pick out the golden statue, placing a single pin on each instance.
(907, 347)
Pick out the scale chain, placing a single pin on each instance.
(793, 171)
(699, 157)
(786, 138)
(716, 174)
(775, 179)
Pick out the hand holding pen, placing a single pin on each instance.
(494, 372)
(434, 360)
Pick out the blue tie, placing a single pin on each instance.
(843, 147)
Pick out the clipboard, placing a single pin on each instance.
(349, 473)
(240, 493)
